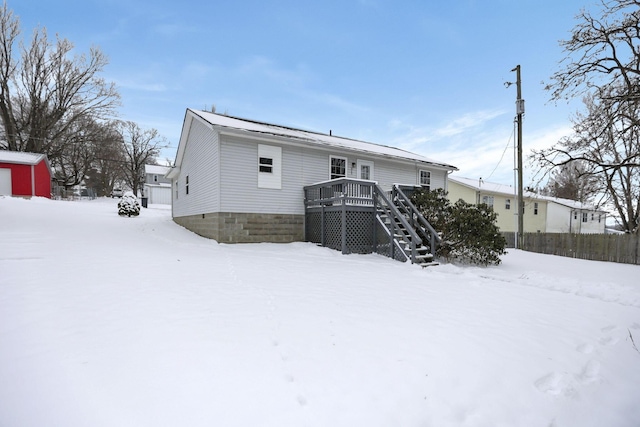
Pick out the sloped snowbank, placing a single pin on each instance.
(110, 321)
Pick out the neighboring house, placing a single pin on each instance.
(25, 174)
(157, 187)
(238, 180)
(541, 213)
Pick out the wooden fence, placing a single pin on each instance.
(623, 248)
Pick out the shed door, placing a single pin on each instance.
(5, 181)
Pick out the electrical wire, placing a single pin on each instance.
(503, 153)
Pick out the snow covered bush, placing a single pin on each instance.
(128, 205)
(469, 232)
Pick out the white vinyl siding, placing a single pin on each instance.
(201, 164)
(239, 188)
(223, 173)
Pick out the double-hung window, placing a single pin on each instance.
(425, 179)
(337, 167)
(507, 204)
(487, 200)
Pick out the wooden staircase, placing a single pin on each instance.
(410, 235)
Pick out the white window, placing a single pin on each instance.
(365, 169)
(487, 200)
(585, 217)
(155, 178)
(337, 167)
(507, 204)
(425, 179)
(269, 166)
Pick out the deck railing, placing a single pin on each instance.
(338, 192)
(347, 214)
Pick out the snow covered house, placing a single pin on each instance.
(157, 187)
(238, 180)
(25, 174)
(541, 213)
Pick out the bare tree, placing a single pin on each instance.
(604, 146)
(140, 147)
(45, 92)
(573, 181)
(601, 54)
(108, 161)
(602, 65)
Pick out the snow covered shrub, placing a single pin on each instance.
(469, 233)
(128, 205)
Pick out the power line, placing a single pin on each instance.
(503, 153)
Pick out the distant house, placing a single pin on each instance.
(238, 180)
(541, 213)
(25, 174)
(157, 187)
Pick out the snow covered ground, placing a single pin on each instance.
(110, 321)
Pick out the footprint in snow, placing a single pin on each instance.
(609, 340)
(555, 384)
(590, 373)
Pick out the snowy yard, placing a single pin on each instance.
(110, 321)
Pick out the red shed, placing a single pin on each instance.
(24, 174)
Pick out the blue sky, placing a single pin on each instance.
(426, 76)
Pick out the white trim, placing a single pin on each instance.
(359, 164)
(33, 180)
(331, 157)
(420, 178)
(273, 178)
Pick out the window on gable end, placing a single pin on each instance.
(507, 204)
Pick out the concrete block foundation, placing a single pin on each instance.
(230, 227)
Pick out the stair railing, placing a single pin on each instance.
(414, 214)
(383, 203)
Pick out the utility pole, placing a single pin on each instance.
(519, 113)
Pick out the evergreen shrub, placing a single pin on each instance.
(128, 205)
(469, 232)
